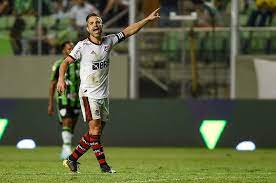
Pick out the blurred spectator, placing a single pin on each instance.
(218, 11)
(203, 14)
(30, 7)
(167, 6)
(16, 35)
(105, 6)
(46, 41)
(24, 7)
(246, 4)
(66, 4)
(4, 6)
(262, 15)
(186, 7)
(78, 15)
(111, 8)
(47, 6)
(59, 13)
(211, 12)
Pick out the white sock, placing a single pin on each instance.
(67, 138)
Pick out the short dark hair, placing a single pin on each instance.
(62, 46)
(92, 15)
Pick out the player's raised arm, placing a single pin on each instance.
(134, 28)
(61, 85)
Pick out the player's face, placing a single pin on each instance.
(67, 49)
(95, 26)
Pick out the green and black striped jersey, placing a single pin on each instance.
(70, 97)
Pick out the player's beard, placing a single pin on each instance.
(96, 35)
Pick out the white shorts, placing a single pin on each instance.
(94, 109)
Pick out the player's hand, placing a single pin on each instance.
(61, 86)
(154, 15)
(51, 110)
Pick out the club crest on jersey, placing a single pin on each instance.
(93, 52)
(106, 48)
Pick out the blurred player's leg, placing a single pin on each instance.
(67, 135)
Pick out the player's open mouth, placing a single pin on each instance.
(96, 30)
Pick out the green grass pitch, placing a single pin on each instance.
(134, 165)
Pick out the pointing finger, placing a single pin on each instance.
(156, 10)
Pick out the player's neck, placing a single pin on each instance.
(95, 40)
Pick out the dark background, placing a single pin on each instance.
(149, 122)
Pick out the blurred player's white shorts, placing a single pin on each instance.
(94, 109)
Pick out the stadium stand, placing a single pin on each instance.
(166, 45)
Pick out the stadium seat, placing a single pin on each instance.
(3, 22)
(47, 21)
(273, 21)
(28, 34)
(259, 42)
(245, 34)
(10, 21)
(245, 38)
(222, 46)
(200, 45)
(5, 46)
(30, 21)
(271, 44)
(66, 35)
(64, 23)
(243, 18)
(207, 45)
(170, 44)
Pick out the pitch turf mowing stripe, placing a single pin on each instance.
(142, 165)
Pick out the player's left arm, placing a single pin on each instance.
(134, 28)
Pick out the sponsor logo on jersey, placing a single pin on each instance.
(100, 65)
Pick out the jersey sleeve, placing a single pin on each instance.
(117, 38)
(55, 72)
(76, 52)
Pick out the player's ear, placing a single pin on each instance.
(101, 21)
(87, 29)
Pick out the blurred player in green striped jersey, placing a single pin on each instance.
(68, 105)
